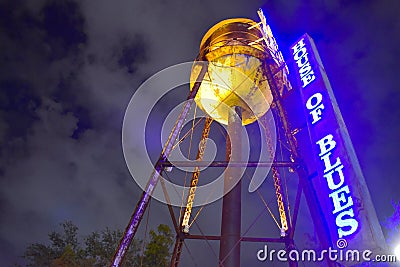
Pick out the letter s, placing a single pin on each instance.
(349, 222)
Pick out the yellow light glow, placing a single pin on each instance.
(235, 75)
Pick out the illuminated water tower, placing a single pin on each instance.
(234, 92)
(240, 73)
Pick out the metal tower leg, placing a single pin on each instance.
(229, 254)
(286, 225)
(176, 254)
(184, 225)
(144, 200)
(282, 207)
(308, 188)
(195, 177)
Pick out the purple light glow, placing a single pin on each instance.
(333, 166)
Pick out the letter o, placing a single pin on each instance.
(318, 98)
(300, 53)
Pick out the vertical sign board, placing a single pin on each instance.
(340, 185)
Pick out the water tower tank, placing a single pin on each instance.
(235, 75)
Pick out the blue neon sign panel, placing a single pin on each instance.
(338, 179)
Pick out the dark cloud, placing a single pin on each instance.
(133, 52)
(50, 110)
(18, 105)
(63, 24)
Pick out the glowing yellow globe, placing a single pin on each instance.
(235, 74)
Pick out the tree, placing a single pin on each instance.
(98, 248)
(157, 251)
(39, 255)
(64, 249)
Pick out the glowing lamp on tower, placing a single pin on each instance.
(235, 52)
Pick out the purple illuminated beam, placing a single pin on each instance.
(144, 200)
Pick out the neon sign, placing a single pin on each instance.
(342, 204)
(300, 55)
(274, 51)
(332, 164)
(270, 41)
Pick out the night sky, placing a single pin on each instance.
(69, 68)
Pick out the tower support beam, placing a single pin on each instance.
(137, 216)
(308, 188)
(229, 253)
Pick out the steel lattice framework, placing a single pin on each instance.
(274, 68)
